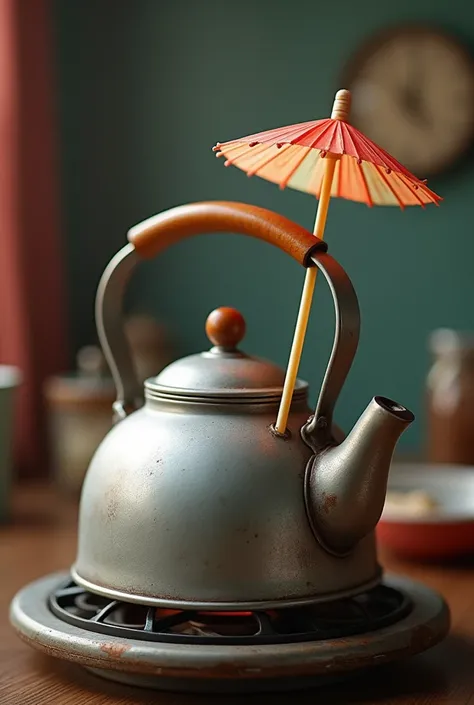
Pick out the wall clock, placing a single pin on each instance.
(413, 93)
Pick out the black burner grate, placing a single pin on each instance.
(365, 612)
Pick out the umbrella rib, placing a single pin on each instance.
(412, 189)
(313, 126)
(345, 130)
(260, 165)
(387, 160)
(339, 180)
(370, 202)
(289, 129)
(276, 133)
(376, 152)
(340, 134)
(232, 146)
(416, 188)
(285, 181)
(434, 198)
(234, 160)
(383, 158)
(241, 152)
(402, 173)
(302, 135)
(377, 157)
(397, 166)
(322, 133)
(389, 185)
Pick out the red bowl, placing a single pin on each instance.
(447, 532)
(427, 541)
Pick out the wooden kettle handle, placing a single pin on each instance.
(159, 232)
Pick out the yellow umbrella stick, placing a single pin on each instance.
(340, 111)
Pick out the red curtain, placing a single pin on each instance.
(32, 315)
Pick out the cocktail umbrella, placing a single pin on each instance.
(326, 158)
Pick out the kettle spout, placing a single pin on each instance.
(346, 484)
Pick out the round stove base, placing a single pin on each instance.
(224, 668)
(182, 685)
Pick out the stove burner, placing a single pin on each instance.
(379, 607)
(419, 619)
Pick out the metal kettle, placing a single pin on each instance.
(193, 499)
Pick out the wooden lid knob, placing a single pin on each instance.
(225, 327)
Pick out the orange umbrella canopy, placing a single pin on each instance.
(294, 156)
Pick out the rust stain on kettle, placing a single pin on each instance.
(330, 501)
(114, 650)
(112, 507)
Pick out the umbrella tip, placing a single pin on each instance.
(342, 105)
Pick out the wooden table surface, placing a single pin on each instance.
(41, 539)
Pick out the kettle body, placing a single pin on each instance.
(207, 507)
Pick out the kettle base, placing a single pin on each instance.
(247, 663)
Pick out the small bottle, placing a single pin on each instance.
(450, 390)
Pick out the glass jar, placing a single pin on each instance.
(450, 390)
(79, 410)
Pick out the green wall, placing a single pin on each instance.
(146, 87)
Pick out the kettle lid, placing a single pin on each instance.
(224, 372)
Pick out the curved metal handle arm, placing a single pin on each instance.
(346, 338)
